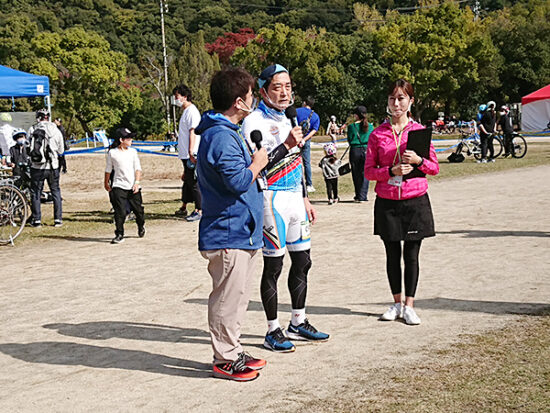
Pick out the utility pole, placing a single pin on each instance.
(163, 9)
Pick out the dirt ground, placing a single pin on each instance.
(88, 326)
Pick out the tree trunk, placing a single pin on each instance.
(85, 126)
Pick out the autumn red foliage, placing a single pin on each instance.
(224, 46)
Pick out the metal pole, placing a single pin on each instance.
(163, 5)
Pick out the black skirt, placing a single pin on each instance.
(403, 220)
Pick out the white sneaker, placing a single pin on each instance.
(410, 316)
(393, 313)
(310, 188)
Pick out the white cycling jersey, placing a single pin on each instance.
(285, 175)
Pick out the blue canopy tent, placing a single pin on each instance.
(16, 84)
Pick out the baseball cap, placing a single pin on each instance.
(269, 72)
(124, 133)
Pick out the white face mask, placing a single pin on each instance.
(178, 103)
(279, 107)
(250, 109)
(21, 142)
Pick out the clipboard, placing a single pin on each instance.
(419, 141)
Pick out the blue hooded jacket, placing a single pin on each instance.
(232, 204)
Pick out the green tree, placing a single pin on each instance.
(522, 35)
(88, 78)
(194, 67)
(312, 59)
(442, 51)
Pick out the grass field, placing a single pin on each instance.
(507, 370)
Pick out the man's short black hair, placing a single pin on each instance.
(184, 91)
(309, 101)
(228, 85)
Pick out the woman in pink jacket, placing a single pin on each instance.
(402, 211)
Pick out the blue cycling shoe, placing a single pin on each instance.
(305, 331)
(278, 342)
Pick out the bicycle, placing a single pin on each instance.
(471, 145)
(519, 145)
(14, 210)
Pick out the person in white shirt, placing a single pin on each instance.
(45, 166)
(123, 162)
(188, 144)
(6, 131)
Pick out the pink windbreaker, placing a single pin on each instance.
(380, 154)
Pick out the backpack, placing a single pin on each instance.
(40, 147)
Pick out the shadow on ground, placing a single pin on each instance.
(490, 234)
(475, 306)
(311, 309)
(104, 330)
(74, 354)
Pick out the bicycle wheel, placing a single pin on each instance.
(13, 213)
(519, 146)
(498, 146)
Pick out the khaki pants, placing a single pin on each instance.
(231, 272)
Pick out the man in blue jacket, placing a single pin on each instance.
(230, 231)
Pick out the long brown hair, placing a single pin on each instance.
(361, 113)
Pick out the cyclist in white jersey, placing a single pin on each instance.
(287, 210)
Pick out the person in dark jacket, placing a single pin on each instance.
(62, 160)
(507, 128)
(19, 153)
(486, 131)
(230, 230)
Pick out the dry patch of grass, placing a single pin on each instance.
(506, 370)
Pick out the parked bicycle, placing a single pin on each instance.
(471, 145)
(14, 210)
(519, 145)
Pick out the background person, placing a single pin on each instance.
(19, 153)
(188, 144)
(123, 162)
(230, 231)
(507, 128)
(6, 132)
(287, 210)
(310, 123)
(329, 165)
(402, 211)
(46, 168)
(486, 129)
(62, 160)
(358, 137)
(333, 130)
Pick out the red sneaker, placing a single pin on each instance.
(236, 370)
(253, 363)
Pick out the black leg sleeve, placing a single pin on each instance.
(412, 267)
(268, 287)
(297, 278)
(393, 265)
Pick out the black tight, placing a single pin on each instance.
(297, 281)
(393, 265)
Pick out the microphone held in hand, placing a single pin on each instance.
(256, 137)
(290, 113)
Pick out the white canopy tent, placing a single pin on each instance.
(535, 110)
